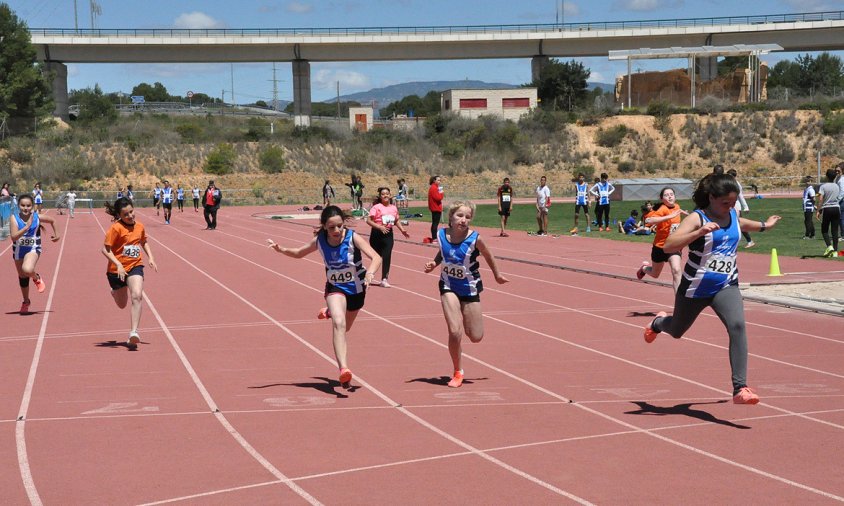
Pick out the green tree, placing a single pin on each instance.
(326, 109)
(823, 74)
(24, 86)
(221, 159)
(271, 160)
(562, 85)
(785, 74)
(414, 105)
(93, 105)
(155, 93)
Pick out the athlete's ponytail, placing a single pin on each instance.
(114, 210)
(714, 185)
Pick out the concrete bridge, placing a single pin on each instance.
(794, 32)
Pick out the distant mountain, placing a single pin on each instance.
(606, 87)
(388, 94)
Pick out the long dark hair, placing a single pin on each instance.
(114, 210)
(377, 199)
(714, 185)
(659, 204)
(330, 212)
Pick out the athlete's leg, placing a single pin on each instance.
(473, 320)
(728, 305)
(686, 311)
(655, 269)
(454, 322)
(135, 285)
(336, 303)
(676, 264)
(121, 296)
(23, 279)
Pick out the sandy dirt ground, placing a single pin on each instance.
(828, 294)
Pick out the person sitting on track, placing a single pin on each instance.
(460, 281)
(346, 277)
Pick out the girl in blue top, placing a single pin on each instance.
(25, 232)
(710, 277)
(460, 281)
(346, 277)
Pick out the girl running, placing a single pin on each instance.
(38, 195)
(25, 232)
(383, 218)
(195, 193)
(712, 233)
(460, 281)
(666, 218)
(180, 198)
(122, 246)
(346, 277)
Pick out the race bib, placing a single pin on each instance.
(388, 220)
(673, 227)
(340, 276)
(581, 195)
(27, 242)
(455, 271)
(505, 198)
(132, 251)
(721, 264)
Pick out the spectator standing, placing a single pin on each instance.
(505, 202)
(840, 181)
(602, 191)
(543, 202)
(195, 192)
(327, 194)
(4, 192)
(402, 197)
(213, 197)
(581, 201)
(383, 217)
(808, 209)
(70, 198)
(829, 213)
(435, 205)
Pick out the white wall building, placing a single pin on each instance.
(509, 103)
(360, 118)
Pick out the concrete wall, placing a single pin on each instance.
(450, 101)
(365, 126)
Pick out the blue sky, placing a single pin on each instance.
(253, 81)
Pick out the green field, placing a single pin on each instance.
(786, 237)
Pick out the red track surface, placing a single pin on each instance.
(232, 396)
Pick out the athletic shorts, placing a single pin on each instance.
(578, 206)
(543, 209)
(155, 201)
(167, 205)
(659, 255)
(461, 298)
(353, 302)
(114, 280)
(505, 211)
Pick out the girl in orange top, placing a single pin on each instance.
(122, 246)
(666, 218)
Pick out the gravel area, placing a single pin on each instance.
(829, 295)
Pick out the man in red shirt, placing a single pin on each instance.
(435, 205)
(211, 202)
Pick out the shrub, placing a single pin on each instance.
(833, 123)
(612, 136)
(355, 159)
(220, 160)
(626, 166)
(271, 160)
(258, 129)
(784, 153)
(189, 132)
(660, 108)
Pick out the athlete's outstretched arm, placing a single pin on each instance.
(299, 252)
(48, 219)
(490, 260)
(758, 226)
(689, 230)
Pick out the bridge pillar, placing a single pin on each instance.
(301, 93)
(59, 89)
(537, 63)
(707, 68)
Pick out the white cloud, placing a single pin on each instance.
(350, 81)
(298, 7)
(647, 5)
(597, 77)
(197, 20)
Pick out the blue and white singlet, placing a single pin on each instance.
(156, 193)
(809, 199)
(180, 194)
(343, 266)
(167, 196)
(460, 272)
(604, 192)
(30, 241)
(712, 266)
(582, 197)
(38, 197)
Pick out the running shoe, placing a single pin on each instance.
(133, 341)
(745, 396)
(384, 283)
(39, 283)
(750, 245)
(345, 376)
(426, 240)
(505, 234)
(641, 272)
(573, 231)
(588, 229)
(829, 252)
(24, 307)
(324, 314)
(650, 333)
(456, 380)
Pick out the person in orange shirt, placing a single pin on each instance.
(666, 218)
(122, 246)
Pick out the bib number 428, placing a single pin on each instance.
(721, 265)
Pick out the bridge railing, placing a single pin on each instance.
(447, 30)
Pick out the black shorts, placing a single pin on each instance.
(114, 280)
(155, 201)
(505, 211)
(353, 302)
(167, 205)
(659, 255)
(578, 206)
(461, 298)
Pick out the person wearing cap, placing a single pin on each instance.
(213, 197)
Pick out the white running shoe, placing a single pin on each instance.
(385, 283)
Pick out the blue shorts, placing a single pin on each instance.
(114, 279)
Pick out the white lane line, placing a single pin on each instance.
(266, 464)
(608, 417)
(384, 397)
(20, 427)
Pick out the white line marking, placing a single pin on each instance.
(20, 427)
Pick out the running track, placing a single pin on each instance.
(232, 396)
